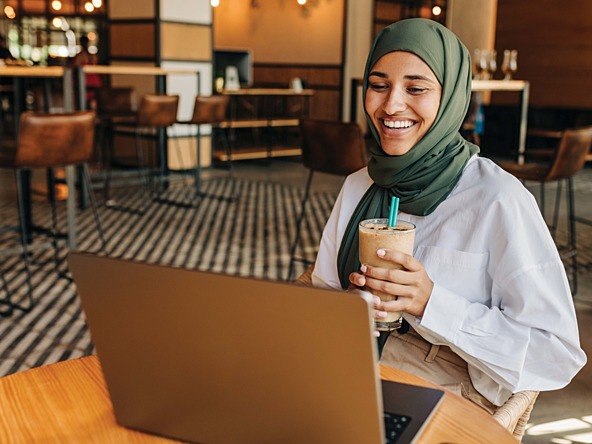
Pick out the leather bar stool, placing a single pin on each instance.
(49, 141)
(212, 111)
(330, 147)
(156, 113)
(115, 106)
(567, 161)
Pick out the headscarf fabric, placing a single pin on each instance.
(423, 177)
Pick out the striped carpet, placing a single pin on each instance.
(248, 237)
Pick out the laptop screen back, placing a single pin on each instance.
(212, 358)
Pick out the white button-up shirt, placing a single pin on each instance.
(501, 299)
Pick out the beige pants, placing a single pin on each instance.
(436, 363)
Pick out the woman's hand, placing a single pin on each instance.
(411, 285)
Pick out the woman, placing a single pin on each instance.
(485, 294)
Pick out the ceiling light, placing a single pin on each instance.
(9, 11)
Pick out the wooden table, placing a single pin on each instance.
(68, 402)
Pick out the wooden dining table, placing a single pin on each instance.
(68, 402)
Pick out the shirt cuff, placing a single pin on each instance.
(444, 313)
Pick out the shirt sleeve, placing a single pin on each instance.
(525, 337)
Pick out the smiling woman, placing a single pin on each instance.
(402, 100)
(485, 277)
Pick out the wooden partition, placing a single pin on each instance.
(325, 80)
(554, 43)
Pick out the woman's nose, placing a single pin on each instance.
(395, 102)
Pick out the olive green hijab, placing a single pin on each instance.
(423, 177)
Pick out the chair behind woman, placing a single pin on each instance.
(329, 147)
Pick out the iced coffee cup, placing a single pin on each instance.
(375, 234)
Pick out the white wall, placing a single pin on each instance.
(186, 11)
(358, 42)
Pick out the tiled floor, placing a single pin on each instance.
(572, 403)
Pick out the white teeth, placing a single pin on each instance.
(398, 124)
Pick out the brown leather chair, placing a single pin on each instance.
(568, 160)
(115, 105)
(50, 141)
(156, 113)
(329, 147)
(116, 102)
(212, 111)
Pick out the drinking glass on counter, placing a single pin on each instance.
(491, 63)
(510, 63)
(480, 63)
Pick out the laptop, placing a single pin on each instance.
(218, 359)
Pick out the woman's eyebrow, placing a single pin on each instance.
(378, 74)
(418, 77)
(408, 76)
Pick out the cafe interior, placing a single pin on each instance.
(195, 115)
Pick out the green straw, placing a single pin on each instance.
(392, 222)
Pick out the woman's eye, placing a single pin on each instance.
(377, 86)
(417, 90)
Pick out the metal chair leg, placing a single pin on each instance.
(298, 227)
(144, 179)
(27, 263)
(197, 172)
(556, 210)
(94, 206)
(572, 235)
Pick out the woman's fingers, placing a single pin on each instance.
(408, 281)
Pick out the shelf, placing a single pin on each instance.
(258, 123)
(258, 153)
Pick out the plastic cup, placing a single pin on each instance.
(375, 234)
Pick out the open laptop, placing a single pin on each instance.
(216, 359)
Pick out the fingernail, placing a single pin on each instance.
(381, 314)
(381, 252)
(363, 268)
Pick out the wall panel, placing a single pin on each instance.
(554, 49)
(125, 9)
(182, 41)
(132, 40)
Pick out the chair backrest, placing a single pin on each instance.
(53, 140)
(209, 109)
(333, 147)
(570, 158)
(116, 100)
(158, 110)
(514, 414)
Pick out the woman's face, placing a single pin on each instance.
(402, 100)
